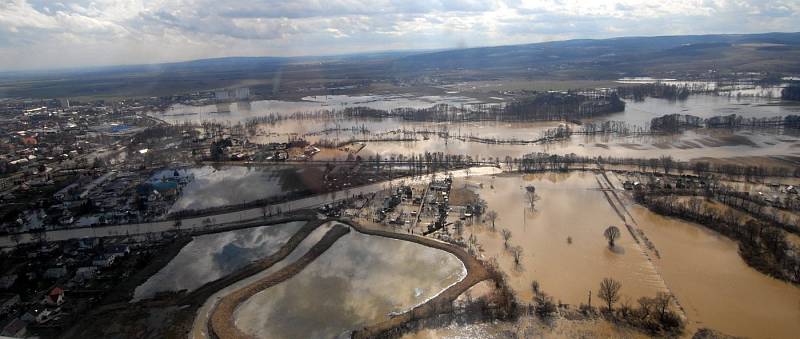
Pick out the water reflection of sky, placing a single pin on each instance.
(359, 280)
(230, 185)
(212, 256)
(705, 106)
(239, 112)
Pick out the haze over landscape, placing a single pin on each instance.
(399, 169)
(37, 34)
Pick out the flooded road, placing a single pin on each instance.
(236, 216)
(212, 256)
(360, 280)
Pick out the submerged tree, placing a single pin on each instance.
(609, 292)
(506, 236)
(612, 234)
(516, 252)
(530, 193)
(492, 216)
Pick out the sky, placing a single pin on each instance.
(44, 34)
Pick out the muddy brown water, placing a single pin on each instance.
(701, 268)
(715, 286)
(570, 206)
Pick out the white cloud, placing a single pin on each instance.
(43, 33)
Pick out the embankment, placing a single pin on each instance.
(443, 302)
(222, 322)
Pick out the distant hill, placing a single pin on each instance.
(571, 59)
(609, 58)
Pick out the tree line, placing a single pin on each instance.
(763, 245)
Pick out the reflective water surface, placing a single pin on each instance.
(212, 256)
(215, 186)
(361, 279)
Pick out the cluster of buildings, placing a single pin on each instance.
(44, 287)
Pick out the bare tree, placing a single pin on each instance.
(516, 252)
(609, 291)
(612, 234)
(506, 236)
(492, 216)
(530, 192)
(544, 305)
(661, 303)
(667, 163)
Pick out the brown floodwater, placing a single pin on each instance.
(715, 286)
(360, 280)
(703, 269)
(685, 146)
(570, 205)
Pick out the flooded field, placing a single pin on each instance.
(701, 268)
(200, 325)
(684, 146)
(241, 111)
(209, 257)
(361, 279)
(715, 286)
(705, 106)
(231, 185)
(567, 271)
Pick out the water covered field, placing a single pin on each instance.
(212, 256)
(702, 268)
(685, 146)
(360, 280)
(215, 186)
(242, 111)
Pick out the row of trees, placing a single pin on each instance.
(537, 162)
(658, 90)
(652, 314)
(791, 92)
(551, 106)
(762, 245)
(673, 123)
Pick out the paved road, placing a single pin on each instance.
(220, 219)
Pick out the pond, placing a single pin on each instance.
(360, 280)
(212, 256)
